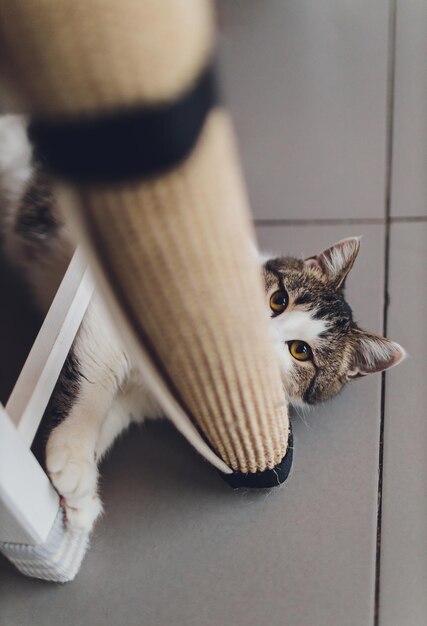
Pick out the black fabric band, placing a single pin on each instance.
(132, 144)
(268, 478)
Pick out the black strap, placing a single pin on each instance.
(125, 145)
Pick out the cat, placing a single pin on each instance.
(100, 392)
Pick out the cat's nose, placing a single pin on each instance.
(267, 478)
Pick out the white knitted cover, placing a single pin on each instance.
(58, 559)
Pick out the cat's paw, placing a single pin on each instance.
(82, 513)
(75, 477)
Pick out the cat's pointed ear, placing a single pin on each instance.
(373, 353)
(336, 261)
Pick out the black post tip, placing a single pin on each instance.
(267, 478)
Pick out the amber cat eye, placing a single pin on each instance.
(279, 301)
(300, 350)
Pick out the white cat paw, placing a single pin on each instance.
(72, 474)
(82, 513)
(75, 477)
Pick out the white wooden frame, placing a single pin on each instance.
(28, 502)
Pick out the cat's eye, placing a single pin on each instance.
(279, 301)
(300, 350)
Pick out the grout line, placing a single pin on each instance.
(411, 219)
(319, 222)
(388, 221)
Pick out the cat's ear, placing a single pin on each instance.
(373, 353)
(336, 261)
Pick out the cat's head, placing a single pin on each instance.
(320, 346)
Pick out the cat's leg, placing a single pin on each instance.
(70, 455)
(133, 404)
(99, 367)
(117, 420)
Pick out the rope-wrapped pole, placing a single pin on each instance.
(126, 114)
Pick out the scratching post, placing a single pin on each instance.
(174, 244)
(191, 295)
(126, 114)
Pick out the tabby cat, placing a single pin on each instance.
(100, 391)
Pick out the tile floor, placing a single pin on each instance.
(316, 112)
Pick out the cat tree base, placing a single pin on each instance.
(57, 559)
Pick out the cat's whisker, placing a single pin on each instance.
(302, 416)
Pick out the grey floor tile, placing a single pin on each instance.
(307, 85)
(403, 597)
(177, 546)
(409, 188)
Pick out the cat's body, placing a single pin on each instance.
(100, 391)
